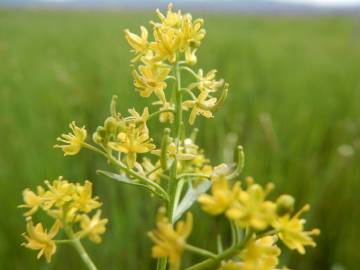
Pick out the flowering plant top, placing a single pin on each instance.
(176, 171)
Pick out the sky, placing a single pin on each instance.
(323, 2)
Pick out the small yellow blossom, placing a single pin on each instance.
(251, 209)
(190, 56)
(84, 201)
(169, 242)
(166, 44)
(141, 119)
(60, 192)
(92, 228)
(39, 239)
(138, 43)
(32, 200)
(207, 82)
(132, 142)
(192, 33)
(172, 19)
(72, 141)
(221, 197)
(260, 254)
(201, 105)
(167, 116)
(291, 231)
(151, 79)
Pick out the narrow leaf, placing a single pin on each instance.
(190, 197)
(125, 180)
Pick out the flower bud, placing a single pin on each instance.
(285, 204)
(111, 124)
(99, 135)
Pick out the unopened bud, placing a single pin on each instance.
(97, 138)
(285, 204)
(111, 124)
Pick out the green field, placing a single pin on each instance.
(294, 105)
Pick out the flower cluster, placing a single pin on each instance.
(70, 206)
(176, 170)
(249, 210)
(175, 41)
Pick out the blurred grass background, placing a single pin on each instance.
(294, 105)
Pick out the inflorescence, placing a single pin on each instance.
(175, 170)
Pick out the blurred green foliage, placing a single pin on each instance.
(294, 104)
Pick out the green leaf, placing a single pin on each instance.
(190, 197)
(124, 179)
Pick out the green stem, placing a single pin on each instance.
(179, 189)
(268, 233)
(200, 175)
(83, 254)
(188, 91)
(153, 170)
(177, 130)
(190, 71)
(234, 233)
(159, 190)
(65, 241)
(159, 112)
(200, 251)
(230, 252)
(172, 183)
(75, 241)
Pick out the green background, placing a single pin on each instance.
(294, 100)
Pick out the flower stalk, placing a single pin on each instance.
(83, 254)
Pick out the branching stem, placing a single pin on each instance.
(200, 251)
(230, 252)
(158, 190)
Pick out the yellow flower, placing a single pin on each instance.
(132, 142)
(169, 242)
(92, 228)
(39, 239)
(83, 200)
(72, 141)
(138, 43)
(151, 79)
(221, 197)
(207, 83)
(251, 209)
(192, 33)
(166, 44)
(60, 192)
(190, 56)
(141, 119)
(291, 231)
(32, 200)
(201, 105)
(167, 116)
(261, 254)
(171, 19)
